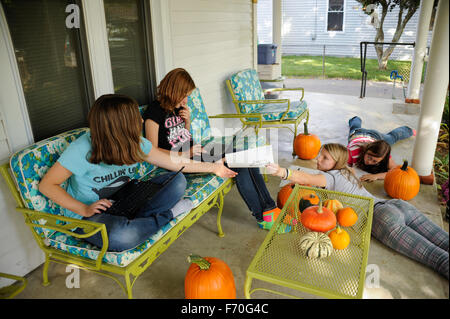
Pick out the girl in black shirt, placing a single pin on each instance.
(167, 124)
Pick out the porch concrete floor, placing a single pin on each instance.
(400, 277)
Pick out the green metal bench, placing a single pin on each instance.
(54, 233)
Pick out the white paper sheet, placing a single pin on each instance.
(254, 157)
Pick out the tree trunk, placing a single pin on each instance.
(379, 37)
(383, 56)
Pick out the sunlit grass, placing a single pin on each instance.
(339, 68)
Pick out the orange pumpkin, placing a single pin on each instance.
(402, 182)
(333, 204)
(284, 194)
(346, 217)
(306, 146)
(208, 278)
(339, 238)
(318, 218)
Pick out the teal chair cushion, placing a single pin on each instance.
(200, 127)
(246, 86)
(274, 112)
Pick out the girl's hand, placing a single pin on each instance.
(185, 114)
(369, 178)
(223, 171)
(275, 170)
(97, 208)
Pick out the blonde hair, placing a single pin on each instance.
(339, 153)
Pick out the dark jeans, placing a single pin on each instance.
(391, 138)
(254, 192)
(125, 234)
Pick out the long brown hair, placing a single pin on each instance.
(378, 148)
(116, 129)
(339, 153)
(173, 88)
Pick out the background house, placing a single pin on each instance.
(308, 25)
(58, 56)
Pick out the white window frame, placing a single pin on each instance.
(12, 98)
(343, 18)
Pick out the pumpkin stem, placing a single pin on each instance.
(199, 261)
(305, 128)
(405, 165)
(320, 210)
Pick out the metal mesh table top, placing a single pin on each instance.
(279, 260)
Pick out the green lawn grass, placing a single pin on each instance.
(339, 68)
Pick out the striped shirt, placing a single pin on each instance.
(354, 147)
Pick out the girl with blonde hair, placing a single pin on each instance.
(99, 162)
(396, 223)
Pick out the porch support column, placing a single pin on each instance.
(255, 33)
(433, 98)
(276, 27)
(420, 52)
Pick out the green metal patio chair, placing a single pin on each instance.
(248, 98)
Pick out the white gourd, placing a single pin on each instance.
(316, 245)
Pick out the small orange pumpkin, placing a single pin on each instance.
(339, 238)
(402, 182)
(346, 217)
(284, 194)
(333, 204)
(318, 218)
(208, 278)
(306, 146)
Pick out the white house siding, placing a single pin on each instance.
(212, 39)
(303, 20)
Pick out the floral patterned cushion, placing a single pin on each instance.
(200, 127)
(246, 86)
(274, 112)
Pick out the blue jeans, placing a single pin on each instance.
(402, 227)
(125, 234)
(254, 192)
(391, 138)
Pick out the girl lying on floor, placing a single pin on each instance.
(370, 150)
(396, 223)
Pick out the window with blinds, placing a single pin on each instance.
(51, 65)
(335, 15)
(128, 37)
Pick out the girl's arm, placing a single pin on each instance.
(50, 187)
(299, 177)
(151, 133)
(172, 163)
(374, 177)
